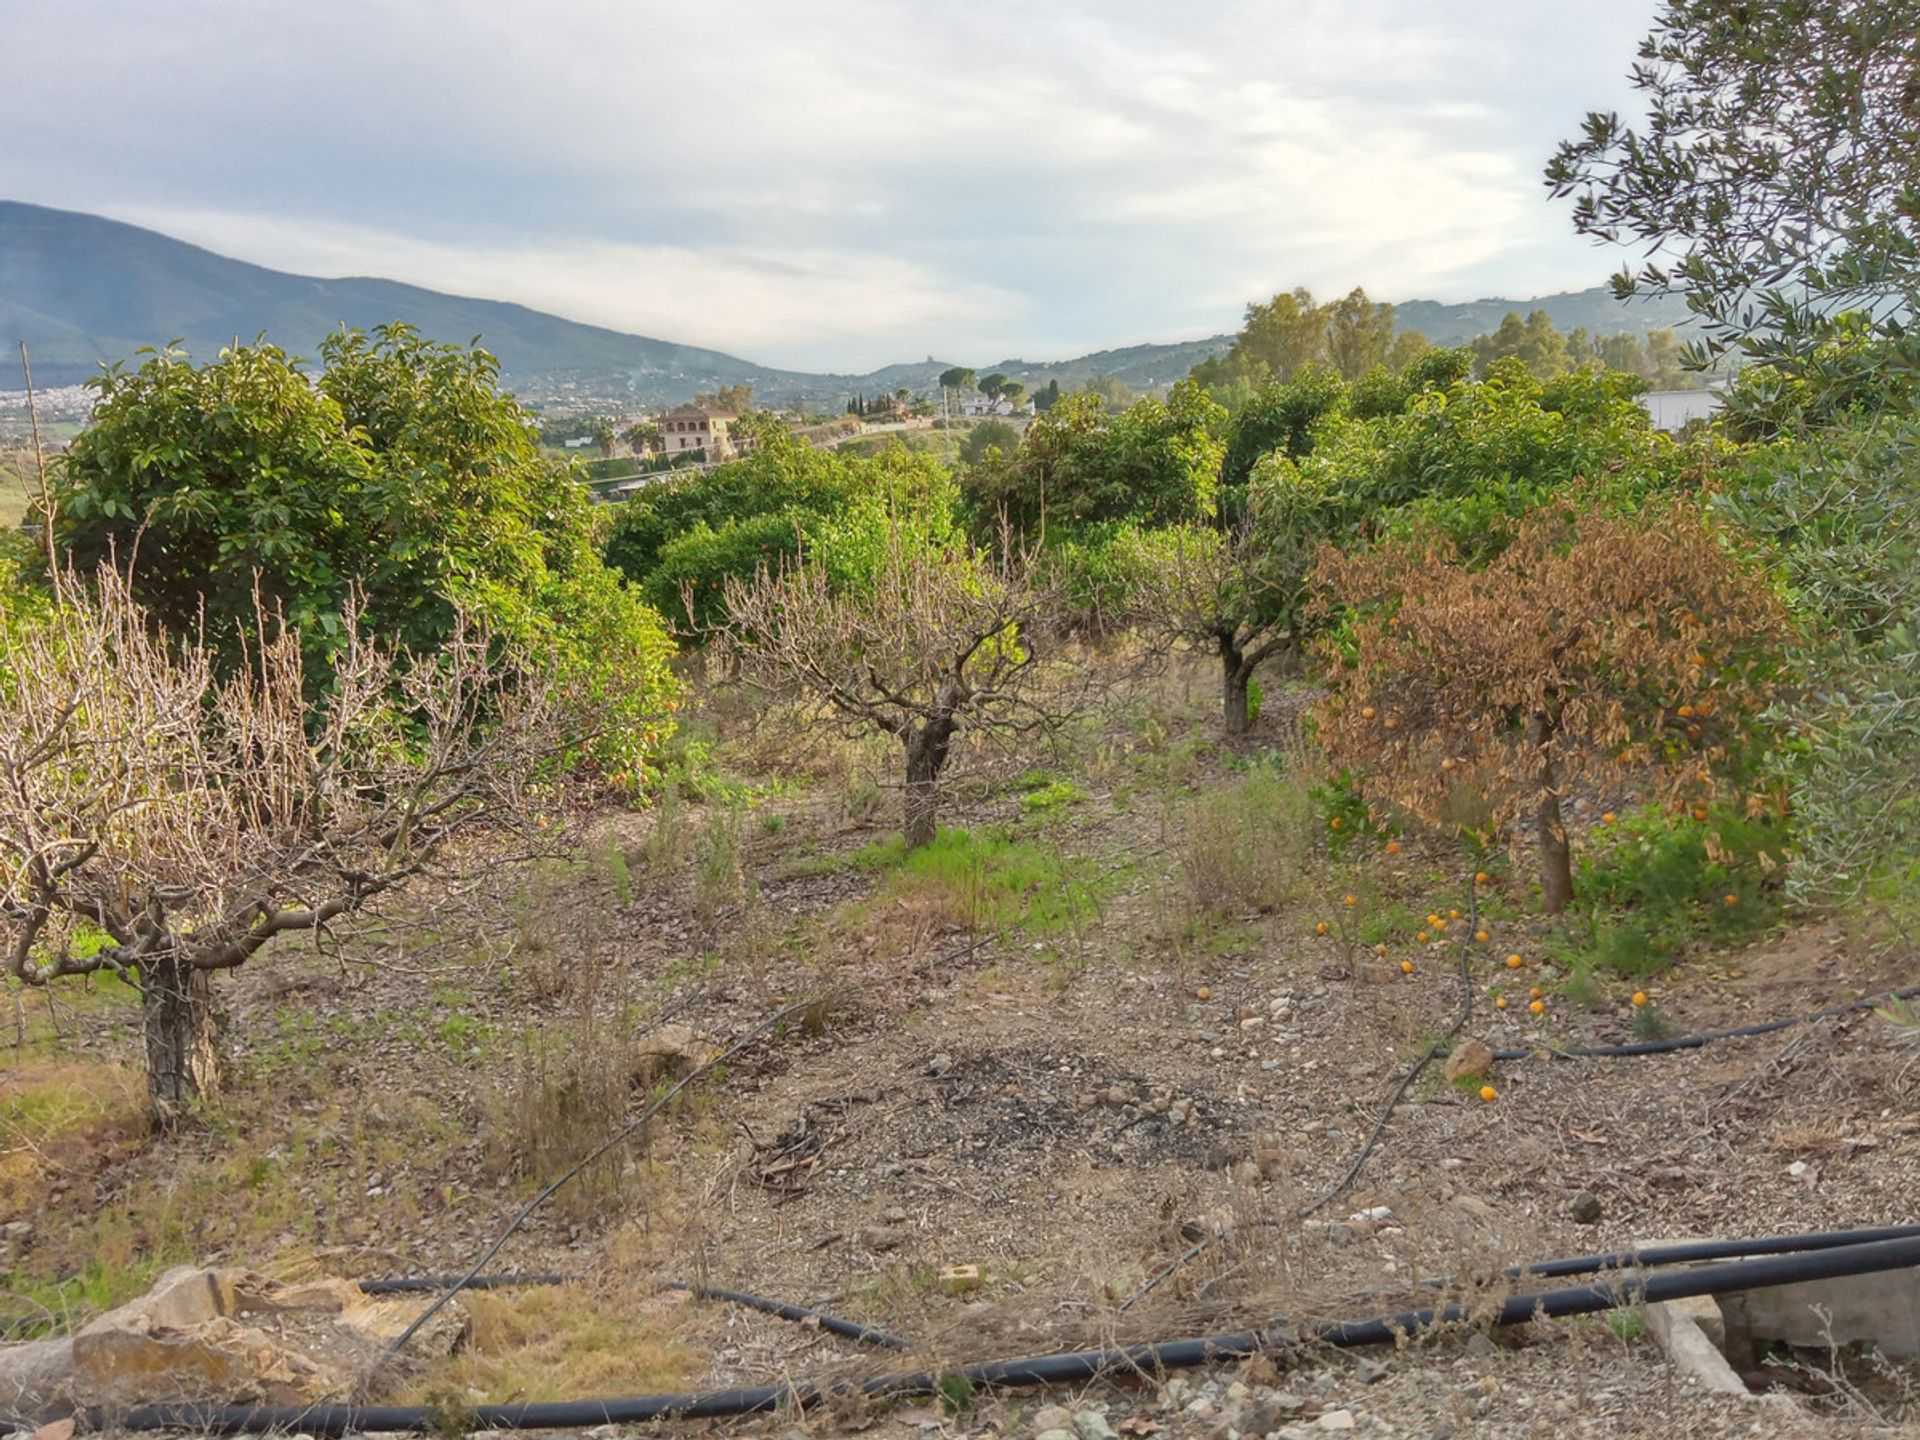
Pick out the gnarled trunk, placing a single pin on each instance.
(1235, 675)
(183, 1060)
(926, 748)
(1550, 830)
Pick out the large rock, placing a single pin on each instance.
(1470, 1060)
(226, 1337)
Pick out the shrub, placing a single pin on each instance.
(1669, 879)
(690, 536)
(1157, 463)
(1246, 846)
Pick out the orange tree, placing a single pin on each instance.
(1594, 649)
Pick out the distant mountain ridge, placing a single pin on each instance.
(80, 289)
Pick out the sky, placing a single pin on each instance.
(836, 184)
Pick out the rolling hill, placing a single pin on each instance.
(80, 289)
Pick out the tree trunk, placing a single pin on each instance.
(1556, 856)
(183, 1061)
(1550, 830)
(926, 753)
(1234, 676)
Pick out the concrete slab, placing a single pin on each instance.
(1683, 1329)
(1880, 1310)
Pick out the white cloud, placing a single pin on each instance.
(843, 309)
(846, 181)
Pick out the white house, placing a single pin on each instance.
(1673, 410)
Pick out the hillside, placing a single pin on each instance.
(81, 289)
(1596, 310)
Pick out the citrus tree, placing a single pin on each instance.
(1594, 650)
(1157, 463)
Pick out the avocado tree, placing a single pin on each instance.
(1594, 650)
(402, 480)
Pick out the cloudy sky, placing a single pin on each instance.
(835, 183)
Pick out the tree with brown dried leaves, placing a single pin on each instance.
(1594, 651)
(933, 643)
(163, 824)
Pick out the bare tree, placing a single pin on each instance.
(1228, 590)
(161, 823)
(937, 641)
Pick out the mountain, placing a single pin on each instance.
(1595, 309)
(80, 289)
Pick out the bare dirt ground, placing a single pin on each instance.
(1044, 1056)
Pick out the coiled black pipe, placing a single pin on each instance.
(1073, 1366)
(802, 1314)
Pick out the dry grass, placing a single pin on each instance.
(55, 1115)
(564, 1341)
(1247, 846)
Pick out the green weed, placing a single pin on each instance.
(983, 879)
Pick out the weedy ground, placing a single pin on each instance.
(1142, 990)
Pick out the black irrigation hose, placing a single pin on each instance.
(802, 1314)
(1433, 1052)
(1686, 1252)
(1834, 1262)
(834, 1324)
(430, 1284)
(1690, 1252)
(1704, 1037)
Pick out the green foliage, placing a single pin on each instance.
(1772, 182)
(1662, 883)
(688, 578)
(1475, 456)
(1838, 509)
(984, 879)
(687, 536)
(1054, 795)
(1343, 815)
(404, 477)
(1849, 379)
(204, 478)
(1282, 418)
(988, 434)
(1090, 570)
(1157, 462)
(23, 591)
